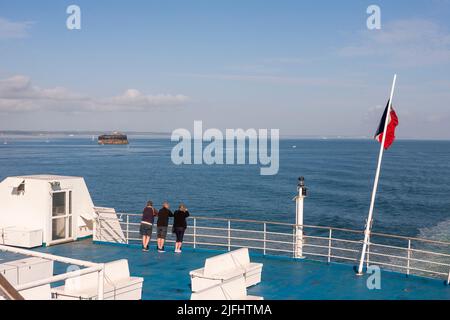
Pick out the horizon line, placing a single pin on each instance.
(34, 133)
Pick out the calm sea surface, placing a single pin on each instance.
(414, 193)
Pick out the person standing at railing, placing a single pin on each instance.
(148, 216)
(162, 224)
(180, 225)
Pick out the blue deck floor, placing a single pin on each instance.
(167, 275)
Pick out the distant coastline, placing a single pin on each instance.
(86, 133)
(79, 133)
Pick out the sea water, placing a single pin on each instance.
(413, 197)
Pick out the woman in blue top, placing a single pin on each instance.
(180, 225)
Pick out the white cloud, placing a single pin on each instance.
(12, 30)
(18, 94)
(404, 43)
(135, 99)
(20, 88)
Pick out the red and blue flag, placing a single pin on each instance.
(390, 131)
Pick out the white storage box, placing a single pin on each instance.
(10, 273)
(22, 237)
(31, 269)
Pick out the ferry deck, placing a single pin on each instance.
(298, 261)
(166, 275)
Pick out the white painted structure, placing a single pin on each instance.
(37, 293)
(23, 271)
(26, 270)
(107, 227)
(39, 289)
(44, 209)
(375, 183)
(21, 237)
(118, 285)
(224, 267)
(233, 289)
(299, 199)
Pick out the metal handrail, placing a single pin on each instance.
(410, 238)
(306, 226)
(90, 267)
(285, 224)
(270, 241)
(256, 221)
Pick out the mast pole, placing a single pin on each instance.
(375, 184)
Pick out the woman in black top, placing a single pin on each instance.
(180, 225)
(145, 229)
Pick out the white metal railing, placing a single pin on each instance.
(89, 267)
(408, 255)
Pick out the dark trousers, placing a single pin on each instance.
(179, 232)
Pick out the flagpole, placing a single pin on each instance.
(375, 184)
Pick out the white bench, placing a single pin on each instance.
(234, 289)
(118, 285)
(225, 267)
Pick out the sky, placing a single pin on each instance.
(308, 68)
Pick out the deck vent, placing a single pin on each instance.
(56, 185)
(21, 187)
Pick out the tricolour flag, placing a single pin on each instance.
(392, 124)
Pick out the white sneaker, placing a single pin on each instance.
(177, 251)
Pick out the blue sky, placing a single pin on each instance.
(305, 67)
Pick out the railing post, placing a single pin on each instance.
(294, 242)
(195, 233)
(229, 235)
(99, 228)
(329, 244)
(299, 199)
(265, 238)
(128, 229)
(101, 280)
(409, 256)
(448, 279)
(368, 254)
